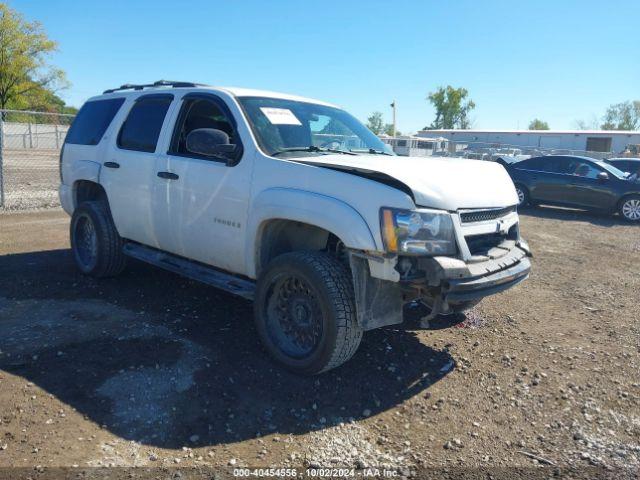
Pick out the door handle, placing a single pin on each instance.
(168, 175)
(111, 164)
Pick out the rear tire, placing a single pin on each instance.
(630, 208)
(305, 312)
(95, 243)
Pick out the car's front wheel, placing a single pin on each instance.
(630, 208)
(305, 312)
(523, 195)
(95, 243)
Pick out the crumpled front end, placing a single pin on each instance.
(491, 258)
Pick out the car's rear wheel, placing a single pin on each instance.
(95, 243)
(523, 195)
(305, 312)
(630, 208)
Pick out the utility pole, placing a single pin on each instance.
(393, 106)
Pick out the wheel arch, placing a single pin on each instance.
(626, 196)
(285, 220)
(88, 190)
(84, 178)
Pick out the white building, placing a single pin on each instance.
(570, 140)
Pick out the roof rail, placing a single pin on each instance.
(159, 83)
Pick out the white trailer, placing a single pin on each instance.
(413, 146)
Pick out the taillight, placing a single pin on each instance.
(60, 163)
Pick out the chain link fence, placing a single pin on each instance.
(492, 151)
(476, 150)
(30, 144)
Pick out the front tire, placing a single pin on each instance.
(95, 243)
(305, 312)
(523, 195)
(630, 208)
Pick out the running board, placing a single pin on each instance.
(194, 270)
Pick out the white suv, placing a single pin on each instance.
(287, 201)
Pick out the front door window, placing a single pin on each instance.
(201, 113)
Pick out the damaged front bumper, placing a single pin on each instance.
(446, 284)
(457, 281)
(461, 290)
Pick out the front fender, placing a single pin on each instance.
(311, 208)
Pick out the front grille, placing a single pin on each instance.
(481, 244)
(485, 215)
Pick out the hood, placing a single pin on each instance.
(445, 183)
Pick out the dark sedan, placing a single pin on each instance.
(579, 182)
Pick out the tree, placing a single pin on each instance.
(375, 123)
(593, 124)
(537, 124)
(622, 116)
(335, 127)
(452, 107)
(41, 100)
(388, 130)
(24, 71)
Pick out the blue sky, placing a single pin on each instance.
(558, 60)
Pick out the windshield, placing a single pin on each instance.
(613, 170)
(292, 128)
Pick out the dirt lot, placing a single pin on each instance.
(154, 370)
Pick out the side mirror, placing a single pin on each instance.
(210, 142)
(603, 177)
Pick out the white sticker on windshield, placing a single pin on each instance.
(280, 116)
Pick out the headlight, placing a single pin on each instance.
(417, 232)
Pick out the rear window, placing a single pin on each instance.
(614, 169)
(625, 165)
(141, 129)
(92, 121)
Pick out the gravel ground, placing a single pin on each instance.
(31, 178)
(157, 371)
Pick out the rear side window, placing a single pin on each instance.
(141, 129)
(539, 164)
(92, 121)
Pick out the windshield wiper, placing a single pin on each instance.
(312, 148)
(372, 151)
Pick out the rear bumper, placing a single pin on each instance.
(65, 192)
